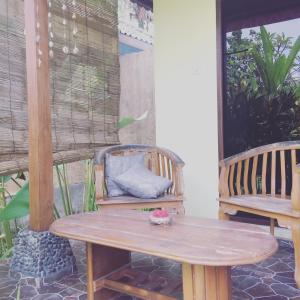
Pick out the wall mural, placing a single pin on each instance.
(136, 21)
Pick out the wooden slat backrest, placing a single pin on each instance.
(246, 176)
(231, 188)
(264, 174)
(160, 161)
(265, 170)
(283, 173)
(253, 175)
(238, 178)
(273, 174)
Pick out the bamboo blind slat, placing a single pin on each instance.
(84, 88)
(20, 162)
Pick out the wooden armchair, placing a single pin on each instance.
(265, 181)
(160, 161)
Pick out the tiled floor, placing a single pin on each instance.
(271, 279)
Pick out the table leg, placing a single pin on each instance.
(206, 283)
(101, 261)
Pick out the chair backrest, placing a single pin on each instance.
(161, 161)
(265, 170)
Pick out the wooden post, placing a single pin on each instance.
(221, 44)
(39, 115)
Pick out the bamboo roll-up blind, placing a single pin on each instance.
(84, 87)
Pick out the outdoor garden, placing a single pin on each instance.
(262, 89)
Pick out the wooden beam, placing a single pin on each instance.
(220, 75)
(240, 14)
(39, 115)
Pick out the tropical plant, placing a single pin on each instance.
(262, 90)
(274, 71)
(63, 182)
(126, 121)
(10, 206)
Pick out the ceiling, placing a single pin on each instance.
(146, 3)
(250, 13)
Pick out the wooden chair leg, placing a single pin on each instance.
(296, 240)
(223, 215)
(272, 226)
(180, 210)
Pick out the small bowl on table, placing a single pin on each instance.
(160, 217)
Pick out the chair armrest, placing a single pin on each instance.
(296, 188)
(179, 184)
(223, 182)
(99, 181)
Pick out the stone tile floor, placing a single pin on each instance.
(270, 279)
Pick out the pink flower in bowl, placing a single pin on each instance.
(160, 213)
(160, 216)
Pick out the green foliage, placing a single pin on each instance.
(63, 181)
(89, 199)
(262, 90)
(18, 206)
(14, 208)
(126, 121)
(272, 70)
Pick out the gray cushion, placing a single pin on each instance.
(142, 183)
(117, 165)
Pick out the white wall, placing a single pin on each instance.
(137, 97)
(186, 95)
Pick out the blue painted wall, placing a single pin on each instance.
(126, 49)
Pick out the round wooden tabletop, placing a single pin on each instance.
(189, 239)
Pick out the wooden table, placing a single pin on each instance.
(206, 248)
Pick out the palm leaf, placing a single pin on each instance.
(261, 68)
(279, 67)
(273, 73)
(268, 48)
(297, 93)
(18, 206)
(290, 60)
(126, 121)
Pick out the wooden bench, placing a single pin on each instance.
(206, 249)
(162, 162)
(264, 181)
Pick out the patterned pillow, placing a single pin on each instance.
(117, 165)
(142, 183)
